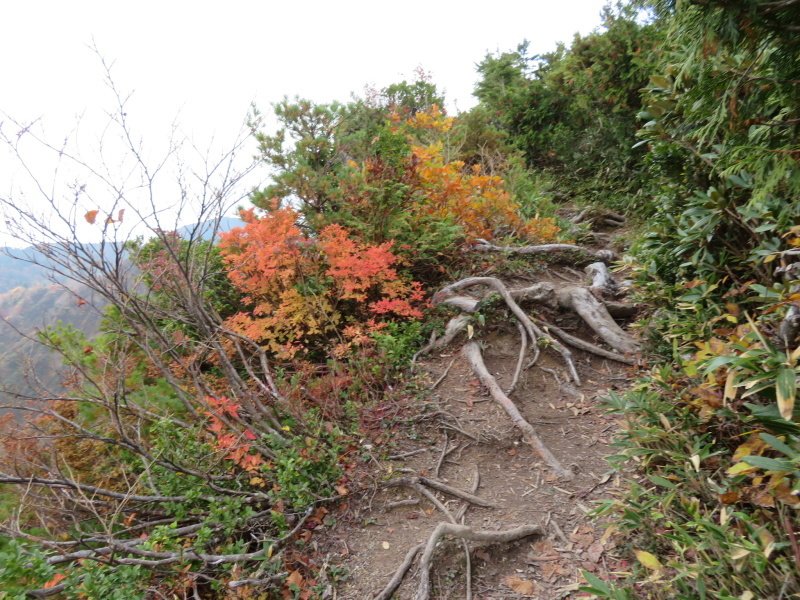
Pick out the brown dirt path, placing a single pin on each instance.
(376, 539)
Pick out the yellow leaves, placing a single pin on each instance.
(754, 446)
(432, 119)
(91, 216)
(785, 392)
(730, 388)
(740, 468)
(648, 560)
(651, 563)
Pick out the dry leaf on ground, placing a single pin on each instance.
(520, 586)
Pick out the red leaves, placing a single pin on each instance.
(306, 290)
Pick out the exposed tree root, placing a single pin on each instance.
(589, 347)
(454, 327)
(473, 354)
(594, 313)
(550, 249)
(533, 331)
(443, 376)
(395, 582)
(413, 482)
(523, 348)
(622, 310)
(601, 277)
(465, 533)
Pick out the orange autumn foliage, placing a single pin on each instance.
(305, 291)
(478, 202)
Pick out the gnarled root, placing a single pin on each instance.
(533, 331)
(465, 533)
(455, 326)
(594, 313)
(473, 354)
(550, 249)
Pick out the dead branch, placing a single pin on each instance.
(473, 354)
(405, 455)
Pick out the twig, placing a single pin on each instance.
(401, 503)
(558, 531)
(441, 379)
(438, 485)
(476, 482)
(458, 429)
(442, 455)
(266, 580)
(405, 455)
(792, 538)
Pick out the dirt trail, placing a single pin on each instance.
(512, 476)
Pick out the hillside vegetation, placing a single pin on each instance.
(239, 386)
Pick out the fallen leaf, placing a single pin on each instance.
(343, 491)
(595, 551)
(520, 586)
(483, 555)
(648, 560)
(551, 571)
(385, 545)
(54, 581)
(295, 578)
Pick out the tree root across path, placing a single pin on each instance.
(464, 532)
(585, 301)
(589, 302)
(473, 354)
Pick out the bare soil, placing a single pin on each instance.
(375, 538)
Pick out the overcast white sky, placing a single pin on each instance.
(209, 60)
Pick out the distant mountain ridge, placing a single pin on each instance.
(23, 272)
(32, 299)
